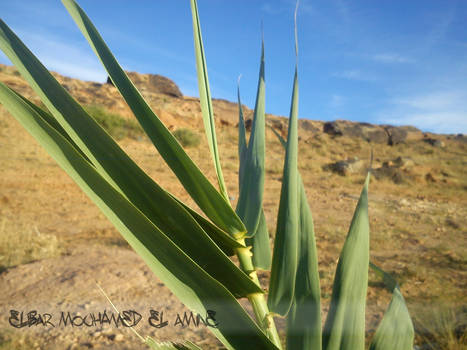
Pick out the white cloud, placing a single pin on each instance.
(271, 9)
(354, 74)
(438, 111)
(66, 58)
(439, 122)
(391, 58)
(439, 100)
(337, 101)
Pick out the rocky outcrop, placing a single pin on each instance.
(388, 134)
(155, 83)
(368, 132)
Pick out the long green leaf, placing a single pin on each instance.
(205, 97)
(197, 185)
(389, 282)
(304, 318)
(284, 262)
(242, 145)
(396, 329)
(186, 279)
(226, 242)
(122, 172)
(261, 248)
(345, 324)
(250, 201)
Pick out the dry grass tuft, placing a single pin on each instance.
(20, 244)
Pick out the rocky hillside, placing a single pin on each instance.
(176, 110)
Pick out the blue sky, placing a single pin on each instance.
(386, 61)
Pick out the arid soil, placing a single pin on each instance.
(418, 211)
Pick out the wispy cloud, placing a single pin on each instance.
(275, 8)
(354, 74)
(67, 58)
(439, 111)
(337, 101)
(271, 9)
(391, 58)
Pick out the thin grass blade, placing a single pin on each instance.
(197, 185)
(285, 256)
(250, 200)
(119, 170)
(304, 318)
(396, 329)
(171, 346)
(205, 97)
(186, 279)
(345, 324)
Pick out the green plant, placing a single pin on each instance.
(189, 252)
(116, 125)
(187, 138)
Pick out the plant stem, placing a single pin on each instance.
(257, 300)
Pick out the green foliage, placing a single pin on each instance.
(115, 124)
(187, 138)
(188, 251)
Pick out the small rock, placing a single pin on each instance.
(430, 178)
(345, 167)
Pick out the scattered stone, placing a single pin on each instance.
(430, 178)
(403, 162)
(452, 223)
(345, 167)
(119, 337)
(434, 142)
(392, 172)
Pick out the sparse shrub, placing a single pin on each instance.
(20, 244)
(442, 328)
(116, 125)
(187, 138)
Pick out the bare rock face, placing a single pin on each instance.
(155, 83)
(388, 134)
(368, 132)
(395, 135)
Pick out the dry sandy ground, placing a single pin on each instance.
(411, 238)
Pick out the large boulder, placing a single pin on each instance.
(396, 135)
(155, 83)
